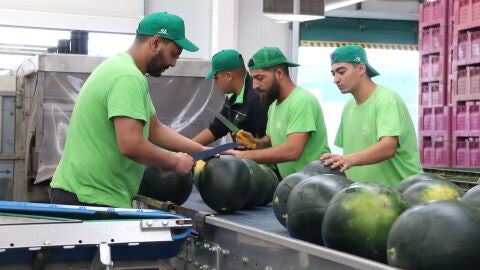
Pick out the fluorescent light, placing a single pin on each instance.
(335, 4)
(285, 17)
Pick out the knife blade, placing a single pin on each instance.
(233, 129)
(211, 152)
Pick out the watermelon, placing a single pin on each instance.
(472, 197)
(165, 186)
(196, 171)
(224, 184)
(307, 203)
(260, 185)
(424, 191)
(272, 178)
(407, 182)
(436, 235)
(317, 166)
(280, 196)
(359, 217)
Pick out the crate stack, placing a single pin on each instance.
(465, 84)
(435, 111)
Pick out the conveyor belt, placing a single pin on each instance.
(261, 218)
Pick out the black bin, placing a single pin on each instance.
(79, 41)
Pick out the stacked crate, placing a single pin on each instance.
(465, 84)
(435, 112)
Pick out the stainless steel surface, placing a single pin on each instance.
(254, 239)
(86, 233)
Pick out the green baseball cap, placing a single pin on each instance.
(168, 26)
(269, 57)
(225, 60)
(352, 54)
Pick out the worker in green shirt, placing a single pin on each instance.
(376, 131)
(296, 133)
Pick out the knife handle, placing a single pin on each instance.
(244, 139)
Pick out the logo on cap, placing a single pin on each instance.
(163, 31)
(357, 59)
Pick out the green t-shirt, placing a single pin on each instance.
(299, 112)
(383, 114)
(92, 166)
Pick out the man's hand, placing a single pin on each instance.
(335, 161)
(184, 163)
(245, 139)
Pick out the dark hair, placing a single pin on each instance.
(140, 38)
(283, 67)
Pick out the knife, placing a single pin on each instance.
(208, 153)
(233, 129)
(211, 152)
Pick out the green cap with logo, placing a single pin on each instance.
(352, 54)
(225, 60)
(167, 26)
(269, 57)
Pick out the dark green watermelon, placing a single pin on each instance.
(424, 191)
(260, 185)
(272, 178)
(359, 217)
(317, 166)
(280, 196)
(224, 184)
(436, 235)
(166, 186)
(472, 197)
(307, 204)
(407, 182)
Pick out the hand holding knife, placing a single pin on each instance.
(239, 133)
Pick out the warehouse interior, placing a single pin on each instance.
(426, 51)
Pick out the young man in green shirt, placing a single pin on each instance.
(296, 132)
(114, 130)
(376, 131)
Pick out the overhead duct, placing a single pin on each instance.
(301, 10)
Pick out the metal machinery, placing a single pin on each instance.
(41, 99)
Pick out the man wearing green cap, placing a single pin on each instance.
(242, 103)
(296, 132)
(114, 130)
(376, 131)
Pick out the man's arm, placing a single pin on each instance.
(291, 150)
(167, 138)
(132, 145)
(204, 137)
(384, 149)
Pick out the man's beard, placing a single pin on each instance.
(156, 66)
(271, 95)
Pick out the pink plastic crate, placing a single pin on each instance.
(436, 66)
(461, 82)
(466, 13)
(426, 68)
(475, 46)
(433, 12)
(459, 120)
(466, 152)
(426, 119)
(426, 40)
(474, 74)
(425, 97)
(461, 51)
(460, 152)
(473, 109)
(435, 151)
(438, 94)
(442, 119)
(474, 146)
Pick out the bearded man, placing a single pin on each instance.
(296, 132)
(114, 130)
